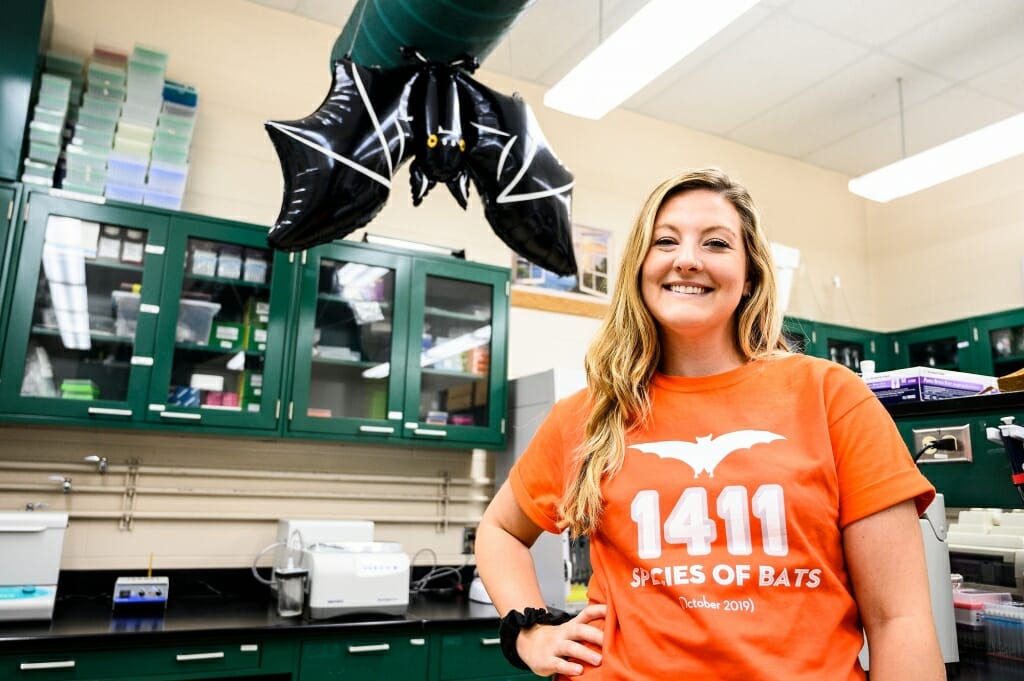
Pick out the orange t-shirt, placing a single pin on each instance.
(719, 553)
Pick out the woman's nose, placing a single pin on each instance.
(688, 260)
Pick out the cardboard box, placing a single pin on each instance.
(256, 338)
(465, 396)
(925, 383)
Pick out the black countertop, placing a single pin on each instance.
(89, 623)
(1011, 403)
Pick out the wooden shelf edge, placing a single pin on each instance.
(558, 303)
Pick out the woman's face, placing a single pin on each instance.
(695, 271)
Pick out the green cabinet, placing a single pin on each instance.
(1000, 342)
(9, 209)
(24, 34)
(378, 658)
(842, 344)
(181, 662)
(469, 654)
(128, 315)
(114, 318)
(952, 346)
(392, 346)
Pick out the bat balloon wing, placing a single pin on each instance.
(525, 189)
(339, 161)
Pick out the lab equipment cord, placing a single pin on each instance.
(259, 578)
(943, 444)
(435, 573)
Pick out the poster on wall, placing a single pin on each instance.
(591, 284)
(593, 249)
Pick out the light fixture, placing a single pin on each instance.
(413, 245)
(655, 38)
(960, 156)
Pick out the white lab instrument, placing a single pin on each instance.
(32, 543)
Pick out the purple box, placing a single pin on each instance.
(924, 383)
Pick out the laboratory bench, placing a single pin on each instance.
(208, 632)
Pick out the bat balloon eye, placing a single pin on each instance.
(432, 140)
(462, 145)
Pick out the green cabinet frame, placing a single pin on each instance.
(400, 420)
(1000, 345)
(162, 275)
(24, 34)
(39, 207)
(286, 359)
(952, 346)
(843, 344)
(10, 209)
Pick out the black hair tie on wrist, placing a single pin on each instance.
(515, 621)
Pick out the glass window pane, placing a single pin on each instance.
(352, 341)
(85, 312)
(456, 357)
(220, 336)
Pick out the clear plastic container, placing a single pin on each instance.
(125, 168)
(158, 199)
(203, 258)
(195, 319)
(254, 266)
(126, 312)
(167, 178)
(123, 192)
(229, 262)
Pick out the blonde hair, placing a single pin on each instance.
(624, 357)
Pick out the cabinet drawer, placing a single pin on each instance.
(364, 659)
(468, 655)
(128, 663)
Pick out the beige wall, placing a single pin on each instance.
(251, 64)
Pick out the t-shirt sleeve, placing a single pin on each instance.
(874, 467)
(538, 478)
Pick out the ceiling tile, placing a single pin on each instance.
(1003, 83)
(968, 40)
(852, 99)
(950, 114)
(728, 90)
(869, 22)
(863, 151)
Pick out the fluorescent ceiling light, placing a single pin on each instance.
(973, 151)
(655, 38)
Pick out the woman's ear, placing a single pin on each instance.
(746, 289)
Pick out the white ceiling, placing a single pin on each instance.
(816, 80)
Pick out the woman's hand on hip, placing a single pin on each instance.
(561, 649)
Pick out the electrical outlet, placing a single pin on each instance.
(468, 540)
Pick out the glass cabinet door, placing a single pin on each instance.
(9, 196)
(83, 311)
(457, 319)
(223, 366)
(351, 346)
(1002, 342)
(943, 346)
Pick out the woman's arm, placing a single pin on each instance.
(505, 564)
(885, 555)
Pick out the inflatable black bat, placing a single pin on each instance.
(339, 162)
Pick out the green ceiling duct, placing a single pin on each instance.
(440, 30)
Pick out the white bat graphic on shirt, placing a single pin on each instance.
(707, 452)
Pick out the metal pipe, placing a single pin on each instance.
(232, 473)
(258, 517)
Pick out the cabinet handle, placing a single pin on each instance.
(103, 411)
(62, 664)
(490, 641)
(376, 429)
(417, 641)
(196, 657)
(432, 433)
(374, 648)
(184, 415)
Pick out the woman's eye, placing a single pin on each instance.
(664, 241)
(717, 243)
